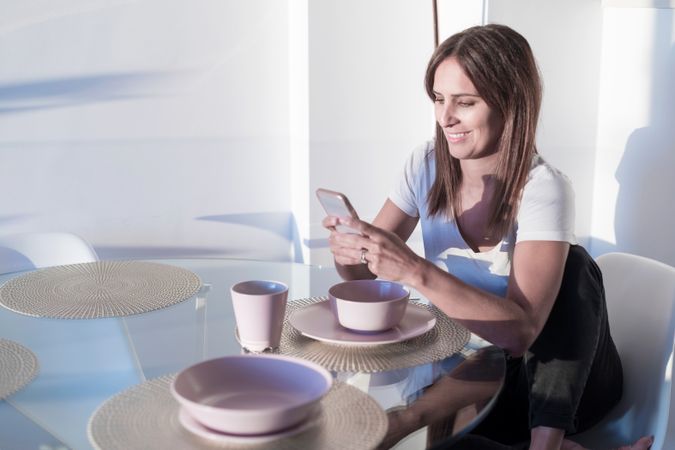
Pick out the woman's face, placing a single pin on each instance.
(470, 126)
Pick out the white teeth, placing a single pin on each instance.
(456, 135)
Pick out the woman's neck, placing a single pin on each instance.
(478, 173)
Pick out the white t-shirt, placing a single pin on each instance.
(545, 213)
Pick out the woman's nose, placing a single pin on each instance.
(446, 115)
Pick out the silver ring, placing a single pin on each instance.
(363, 256)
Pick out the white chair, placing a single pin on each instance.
(44, 249)
(91, 343)
(641, 305)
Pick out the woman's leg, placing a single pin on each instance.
(507, 422)
(573, 368)
(571, 376)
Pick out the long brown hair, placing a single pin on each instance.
(500, 64)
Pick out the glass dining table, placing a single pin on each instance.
(84, 362)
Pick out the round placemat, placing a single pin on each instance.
(442, 341)
(98, 289)
(18, 367)
(146, 416)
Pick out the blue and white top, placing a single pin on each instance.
(546, 213)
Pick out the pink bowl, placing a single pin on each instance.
(369, 305)
(251, 394)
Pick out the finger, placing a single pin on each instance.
(343, 240)
(355, 243)
(347, 261)
(366, 229)
(350, 240)
(347, 256)
(329, 222)
(356, 224)
(339, 247)
(363, 256)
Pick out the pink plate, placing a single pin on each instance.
(190, 424)
(317, 321)
(251, 394)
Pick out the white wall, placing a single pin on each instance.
(367, 104)
(153, 127)
(203, 128)
(635, 160)
(607, 118)
(191, 128)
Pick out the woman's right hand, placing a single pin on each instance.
(342, 252)
(347, 248)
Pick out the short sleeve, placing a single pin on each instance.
(409, 190)
(546, 211)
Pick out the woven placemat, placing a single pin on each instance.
(18, 367)
(442, 341)
(98, 289)
(146, 416)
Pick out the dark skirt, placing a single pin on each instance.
(569, 378)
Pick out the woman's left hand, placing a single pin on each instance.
(387, 255)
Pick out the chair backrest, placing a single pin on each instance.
(641, 306)
(97, 343)
(45, 249)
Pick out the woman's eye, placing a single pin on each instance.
(438, 100)
(465, 104)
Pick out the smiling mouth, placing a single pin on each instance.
(454, 137)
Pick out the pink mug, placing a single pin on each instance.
(259, 308)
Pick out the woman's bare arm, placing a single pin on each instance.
(512, 323)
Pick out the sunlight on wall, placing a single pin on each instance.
(298, 64)
(457, 15)
(625, 85)
(367, 105)
(636, 139)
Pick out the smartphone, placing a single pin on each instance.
(337, 204)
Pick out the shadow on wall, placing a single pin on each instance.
(644, 219)
(6, 219)
(63, 92)
(596, 246)
(143, 252)
(281, 223)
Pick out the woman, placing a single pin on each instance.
(500, 253)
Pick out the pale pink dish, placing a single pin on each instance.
(369, 305)
(194, 427)
(251, 394)
(318, 322)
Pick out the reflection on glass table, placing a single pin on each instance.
(85, 362)
(449, 405)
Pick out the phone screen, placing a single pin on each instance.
(337, 204)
